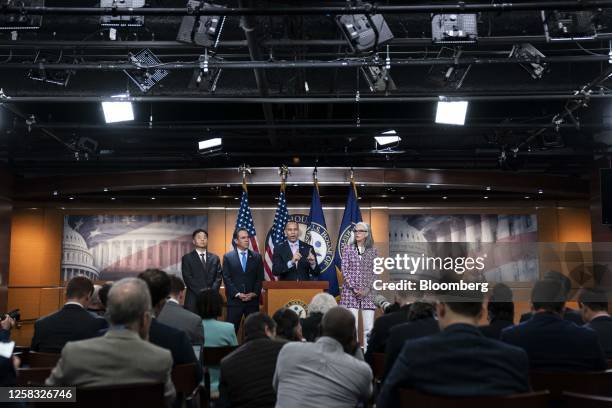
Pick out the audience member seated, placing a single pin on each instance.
(500, 311)
(421, 323)
(6, 324)
(552, 343)
(319, 305)
(246, 374)
(459, 361)
(218, 333)
(123, 355)
(163, 335)
(95, 306)
(327, 373)
(175, 315)
(380, 332)
(594, 309)
(287, 325)
(103, 293)
(72, 322)
(8, 365)
(568, 313)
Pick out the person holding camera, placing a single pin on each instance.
(7, 323)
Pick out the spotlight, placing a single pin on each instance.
(527, 51)
(146, 78)
(122, 21)
(568, 25)
(50, 76)
(451, 113)
(388, 137)
(118, 111)
(359, 31)
(451, 76)
(200, 30)
(22, 21)
(454, 28)
(209, 143)
(378, 79)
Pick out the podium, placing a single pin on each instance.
(293, 294)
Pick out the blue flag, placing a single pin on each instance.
(352, 215)
(318, 237)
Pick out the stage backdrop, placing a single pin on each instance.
(111, 247)
(507, 243)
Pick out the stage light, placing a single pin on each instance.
(122, 21)
(451, 113)
(146, 78)
(119, 111)
(359, 31)
(569, 25)
(22, 21)
(449, 76)
(388, 137)
(200, 30)
(209, 143)
(527, 51)
(454, 28)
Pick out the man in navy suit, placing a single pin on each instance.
(294, 260)
(243, 273)
(201, 269)
(594, 309)
(553, 343)
(459, 361)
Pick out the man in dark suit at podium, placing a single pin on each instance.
(294, 260)
(201, 270)
(243, 273)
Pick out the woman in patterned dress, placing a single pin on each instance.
(358, 274)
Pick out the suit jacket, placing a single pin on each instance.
(239, 281)
(175, 315)
(197, 277)
(570, 315)
(176, 342)
(493, 330)
(459, 361)
(603, 327)
(380, 332)
(70, 323)
(118, 357)
(555, 344)
(404, 332)
(301, 271)
(246, 375)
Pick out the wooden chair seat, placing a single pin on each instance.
(212, 356)
(184, 380)
(412, 398)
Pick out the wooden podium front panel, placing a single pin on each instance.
(280, 294)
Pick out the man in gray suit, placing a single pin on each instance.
(175, 315)
(123, 355)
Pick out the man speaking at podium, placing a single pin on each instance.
(294, 260)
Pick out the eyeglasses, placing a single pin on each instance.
(361, 231)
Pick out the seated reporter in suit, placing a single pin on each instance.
(72, 322)
(200, 268)
(123, 355)
(500, 311)
(568, 313)
(243, 273)
(294, 260)
(594, 309)
(175, 315)
(459, 361)
(553, 343)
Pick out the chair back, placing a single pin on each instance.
(378, 365)
(36, 359)
(212, 356)
(412, 398)
(593, 383)
(32, 376)
(184, 378)
(116, 396)
(575, 400)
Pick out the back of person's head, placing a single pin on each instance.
(255, 326)
(321, 303)
(566, 283)
(79, 287)
(158, 282)
(339, 324)
(94, 301)
(287, 324)
(466, 303)
(595, 299)
(209, 304)
(548, 295)
(176, 285)
(128, 300)
(103, 293)
(420, 310)
(500, 304)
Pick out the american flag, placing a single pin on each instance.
(277, 235)
(245, 220)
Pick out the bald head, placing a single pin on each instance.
(339, 323)
(128, 300)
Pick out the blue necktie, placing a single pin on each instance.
(243, 261)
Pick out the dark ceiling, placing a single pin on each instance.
(514, 122)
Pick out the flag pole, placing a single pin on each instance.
(244, 169)
(353, 184)
(283, 172)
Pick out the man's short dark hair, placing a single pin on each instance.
(420, 310)
(237, 231)
(209, 304)
(158, 282)
(255, 326)
(292, 221)
(79, 287)
(176, 285)
(196, 232)
(339, 323)
(566, 283)
(286, 323)
(103, 293)
(548, 295)
(595, 299)
(466, 302)
(500, 304)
